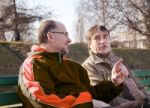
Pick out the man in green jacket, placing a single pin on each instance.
(47, 80)
(101, 62)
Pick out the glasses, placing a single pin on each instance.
(64, 33)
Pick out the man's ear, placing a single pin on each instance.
(50, 36)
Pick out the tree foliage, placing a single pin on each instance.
(92, 12)
(18, 17)
(129, 14)
(135, 14)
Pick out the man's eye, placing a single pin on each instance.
(97, 37)
(105, 36)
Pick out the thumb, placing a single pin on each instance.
(118, 65)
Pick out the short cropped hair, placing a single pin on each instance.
(90, 33)
(44, 28)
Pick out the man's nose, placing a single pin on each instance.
(69, 40)
(102, 40)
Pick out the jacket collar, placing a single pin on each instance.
(36, 49)
(99, 59)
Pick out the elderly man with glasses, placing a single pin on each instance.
(46, 80)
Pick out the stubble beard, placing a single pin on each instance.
(64, 51)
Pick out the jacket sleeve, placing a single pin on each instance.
(105, 90)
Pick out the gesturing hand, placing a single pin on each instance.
(119, 72)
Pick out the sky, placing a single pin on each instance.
(63, 11)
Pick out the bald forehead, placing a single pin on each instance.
(59, 25)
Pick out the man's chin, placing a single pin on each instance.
(103, 52)
(64, 51)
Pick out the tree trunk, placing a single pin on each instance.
(148, 42)
(17, 35)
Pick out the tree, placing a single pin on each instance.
(134, 14)
(19, 18)
(131, 15)
(80, 26)
(96, 12)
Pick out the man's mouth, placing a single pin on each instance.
(103, 47)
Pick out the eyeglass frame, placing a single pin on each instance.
(64, 33)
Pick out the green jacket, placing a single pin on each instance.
(47, 80)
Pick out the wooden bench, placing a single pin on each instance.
(8, 92)
(143, 78)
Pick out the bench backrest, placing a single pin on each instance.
(143, 77)
(8, 92)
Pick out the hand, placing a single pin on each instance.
(119, 73)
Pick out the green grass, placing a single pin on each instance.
(135, 58)
(12, 55)
(78, 52)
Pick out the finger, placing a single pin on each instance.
(118, 78)
(119, 74)
(114, 80)
(119, 62)
(118, 65)
(125, 70)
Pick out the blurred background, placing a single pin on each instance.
(127, 20)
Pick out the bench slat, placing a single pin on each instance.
(143, 77)
(142, 73)
(8, 80)
(145, 82)
(9, 98)
(8, 93)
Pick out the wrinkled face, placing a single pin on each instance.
(60, 39)
(100, 43)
